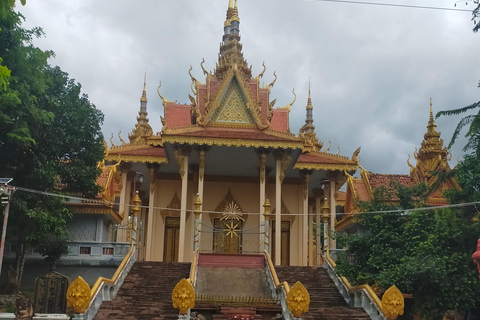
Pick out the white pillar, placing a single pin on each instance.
(151, 216)
(318, 211)
(311, 252)
(183, 208)
(304, 260)
(333, 243)
(278, 212)
(124, 207)
(263, 179)
(201, 176)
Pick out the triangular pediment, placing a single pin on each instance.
(233, 107)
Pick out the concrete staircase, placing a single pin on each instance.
(146, 293)
(326, 303)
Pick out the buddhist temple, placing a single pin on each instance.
(431, 157)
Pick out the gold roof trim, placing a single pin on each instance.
(139, 159)
(94, 208)
(210, 141)
(326, 166)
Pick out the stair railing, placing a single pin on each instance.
(281, 289)
(106, 289)
(363, 296)
(193, 268)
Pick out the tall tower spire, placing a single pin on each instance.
(307, 131)
(231, 48)
(142, 129)
(432, 155)
(309, 118)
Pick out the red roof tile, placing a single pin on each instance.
(341, 196)
(361, 190)
(103, 177)
(377, 180)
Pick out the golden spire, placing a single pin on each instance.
(144, 93)
(142, 129)
(309, 101)
(432, 126)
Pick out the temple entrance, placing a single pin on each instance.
(227, 237)
(285, 243)
(171, 240)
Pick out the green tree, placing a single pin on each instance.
(423, 252)
(50, 137)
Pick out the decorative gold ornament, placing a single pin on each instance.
(79, 295)
(231, 230)
(298, 299)
(392, 303)
(183, 296)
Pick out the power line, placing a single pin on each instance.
(394, 5)
(458, 205)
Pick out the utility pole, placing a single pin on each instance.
(6, 192)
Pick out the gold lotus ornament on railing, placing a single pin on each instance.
(392, 303)
(78, 295)
(183, 296)
(298, 299)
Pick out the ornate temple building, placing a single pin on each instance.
(230, 155)
(233, 149)
(431, 157)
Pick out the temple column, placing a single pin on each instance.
(181, 156)
(202, 151)
(304, 229)
(311, 252)
(281, 163)
(262, 155)
(318, 211)
(150, 216)
(332, 189)
(124, 207)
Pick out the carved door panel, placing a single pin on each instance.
(228, 237)
(285, 243)
(171, 240)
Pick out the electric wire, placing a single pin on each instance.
(394, 5)
(93, 201)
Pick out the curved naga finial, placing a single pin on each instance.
(415, 154)
(121, 140)
(329, 145)
(291, 103)
(355, 155)
(194, 81)
(205, 72)
(408, 162)
(160, 95)
(338, 151)
(111, 141)
(274, 80)
(261, 73)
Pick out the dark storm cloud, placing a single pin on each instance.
(372, 69)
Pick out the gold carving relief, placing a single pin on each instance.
(298, 299)
(263, 162)
(78, 295)
(285, 213)
(201, 164)
(393, 303)
(179, 159)
(183, 296)
(230, 208)
(284, 165)
(175, 203)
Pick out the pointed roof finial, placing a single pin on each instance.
(144, 93)
(431, 122)
(309, 101)
(230, 4)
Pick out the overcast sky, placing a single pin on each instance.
(373, 69)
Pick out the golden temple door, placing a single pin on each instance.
(171, 240)
(285, 243)
(228, 237)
